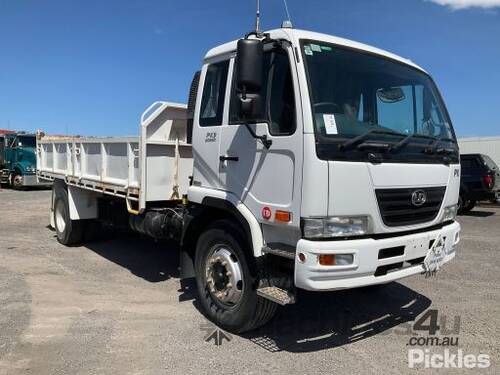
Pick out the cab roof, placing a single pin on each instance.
(295, 35)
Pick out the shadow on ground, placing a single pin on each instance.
(479, 213)
(317, 321)
(153, 261)
(25, 188)
(321, 321)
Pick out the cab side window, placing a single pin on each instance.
(214, 90)
(278, 100)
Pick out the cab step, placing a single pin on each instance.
(281, 251)
(275, 294)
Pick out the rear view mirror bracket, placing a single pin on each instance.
(263, 138)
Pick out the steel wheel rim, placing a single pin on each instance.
(224, 276)
(59, 216)
(17, 180)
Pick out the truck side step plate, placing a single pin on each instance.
(279, 252)
(277, 295)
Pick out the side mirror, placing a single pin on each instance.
(249, 61)
(193, 91)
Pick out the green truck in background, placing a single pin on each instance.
(18, 160)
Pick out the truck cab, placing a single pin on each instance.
(302, 161)
(348, 160)
(18, 162)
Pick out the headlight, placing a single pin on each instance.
(338, 226)
(450, 213)
(30, 169)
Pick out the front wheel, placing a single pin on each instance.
(469, 206)
(16, 181)
(226, 279)
(460, 205)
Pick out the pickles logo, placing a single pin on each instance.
(215, 334)
(439, 348)
(447, 359)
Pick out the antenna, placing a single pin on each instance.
(257, 18)
(288, 22)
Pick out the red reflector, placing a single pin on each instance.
(327, 259)
(266, 213)
(488, 181)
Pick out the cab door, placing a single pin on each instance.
(267, 180)
(208, 124)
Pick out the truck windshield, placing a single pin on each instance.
(26, 141)
(355, 93)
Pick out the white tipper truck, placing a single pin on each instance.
(302, 160)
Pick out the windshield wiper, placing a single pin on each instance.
(407, 139)
(344, 146)
(433, 147)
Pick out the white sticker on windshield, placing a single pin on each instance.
(330, 123)
(315, 48)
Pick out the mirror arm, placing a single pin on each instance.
(259, 35)
(263, 138)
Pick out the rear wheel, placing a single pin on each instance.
(226, 278)
(69, 232)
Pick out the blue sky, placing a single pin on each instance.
(91, 67)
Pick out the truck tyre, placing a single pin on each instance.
(468, 206)
(460, 205)
(16, 181)
(69, 232)
(226, 278)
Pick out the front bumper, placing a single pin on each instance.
(367, 268)
(31, 180)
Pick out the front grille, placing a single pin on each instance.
(397, 209)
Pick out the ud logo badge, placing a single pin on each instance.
(418, 198)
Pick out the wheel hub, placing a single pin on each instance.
(224, 276)
(17, 180)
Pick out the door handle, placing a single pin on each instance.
(229, 158)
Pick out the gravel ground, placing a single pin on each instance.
(117, 306)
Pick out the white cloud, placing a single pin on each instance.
(463, 4)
